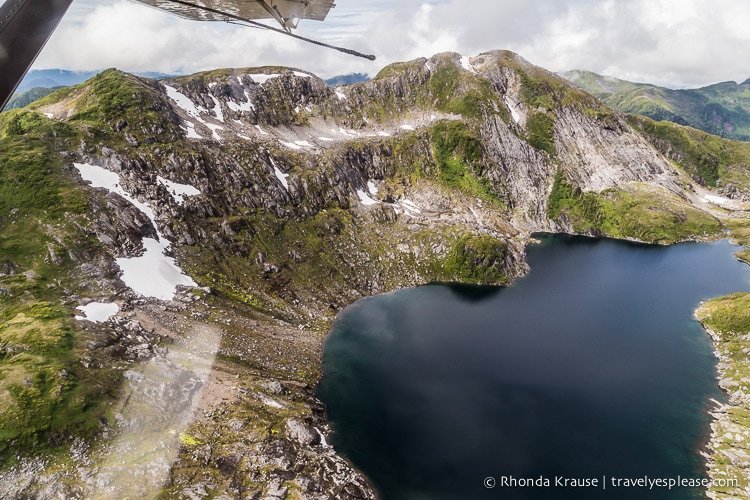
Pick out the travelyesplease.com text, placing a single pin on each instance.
(604, 482)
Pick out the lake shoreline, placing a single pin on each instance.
(726, 461)
(697, 457)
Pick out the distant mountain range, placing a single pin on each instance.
(721, 109)
(47, 78)
(347, 79)
(41, 82)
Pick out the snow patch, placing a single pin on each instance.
(407, 127)
(366, 200)
(349, 133)
(476, 215)
(97, 312)
(290, 145)
(716, 200)
(263, 132)
(340, 95)
(281, 176)
(409, 205)
(371, 187)
(178, 191)
(513, 111)
(214, 128)
(325, 139)
(103, 178)
(217, 109)
(323, 441)
(49, 115)
(191, 133)
(241, 106)
(466, 64)
(384, 134)
(263, 78)
(153, 274)
(304, 144)
(183, 102)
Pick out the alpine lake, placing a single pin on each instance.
(589, 370)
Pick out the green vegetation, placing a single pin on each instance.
(458, 156)
(722, 109)
(540, 92)
(23, 99)
(40, 393)
(398, 68)
(453, 91)
(644, 213)
(706, 157)
(113, 105)
(45, 393)
(597, 85)
(541, 131)
(547, 92)
(479, 259)
(740, 231)
(729, 315)
(447, 89)
(728, 319)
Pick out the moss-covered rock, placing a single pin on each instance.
(480, 259)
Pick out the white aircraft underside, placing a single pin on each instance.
(286, 12)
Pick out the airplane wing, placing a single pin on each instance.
(286, 12)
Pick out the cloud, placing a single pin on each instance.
(670, 42)
(134, 37)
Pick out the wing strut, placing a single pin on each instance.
(287, 24)
(231, 17)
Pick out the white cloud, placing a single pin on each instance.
(669, 42)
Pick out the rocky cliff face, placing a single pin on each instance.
(284, 200)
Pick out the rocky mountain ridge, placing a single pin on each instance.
(284, 200)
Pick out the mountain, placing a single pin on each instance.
(48, 78)
(722, 109)
(347, 79)
(23, 99)
(39, 82)
(173, 252)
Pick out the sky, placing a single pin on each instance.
(674, 43)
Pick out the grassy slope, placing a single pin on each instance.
(47, 393)
(23, 99)
(728, 318)
(647, 213)
(709, 159)
(722, 109)
(44, 390)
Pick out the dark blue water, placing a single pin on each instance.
(589, 367)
